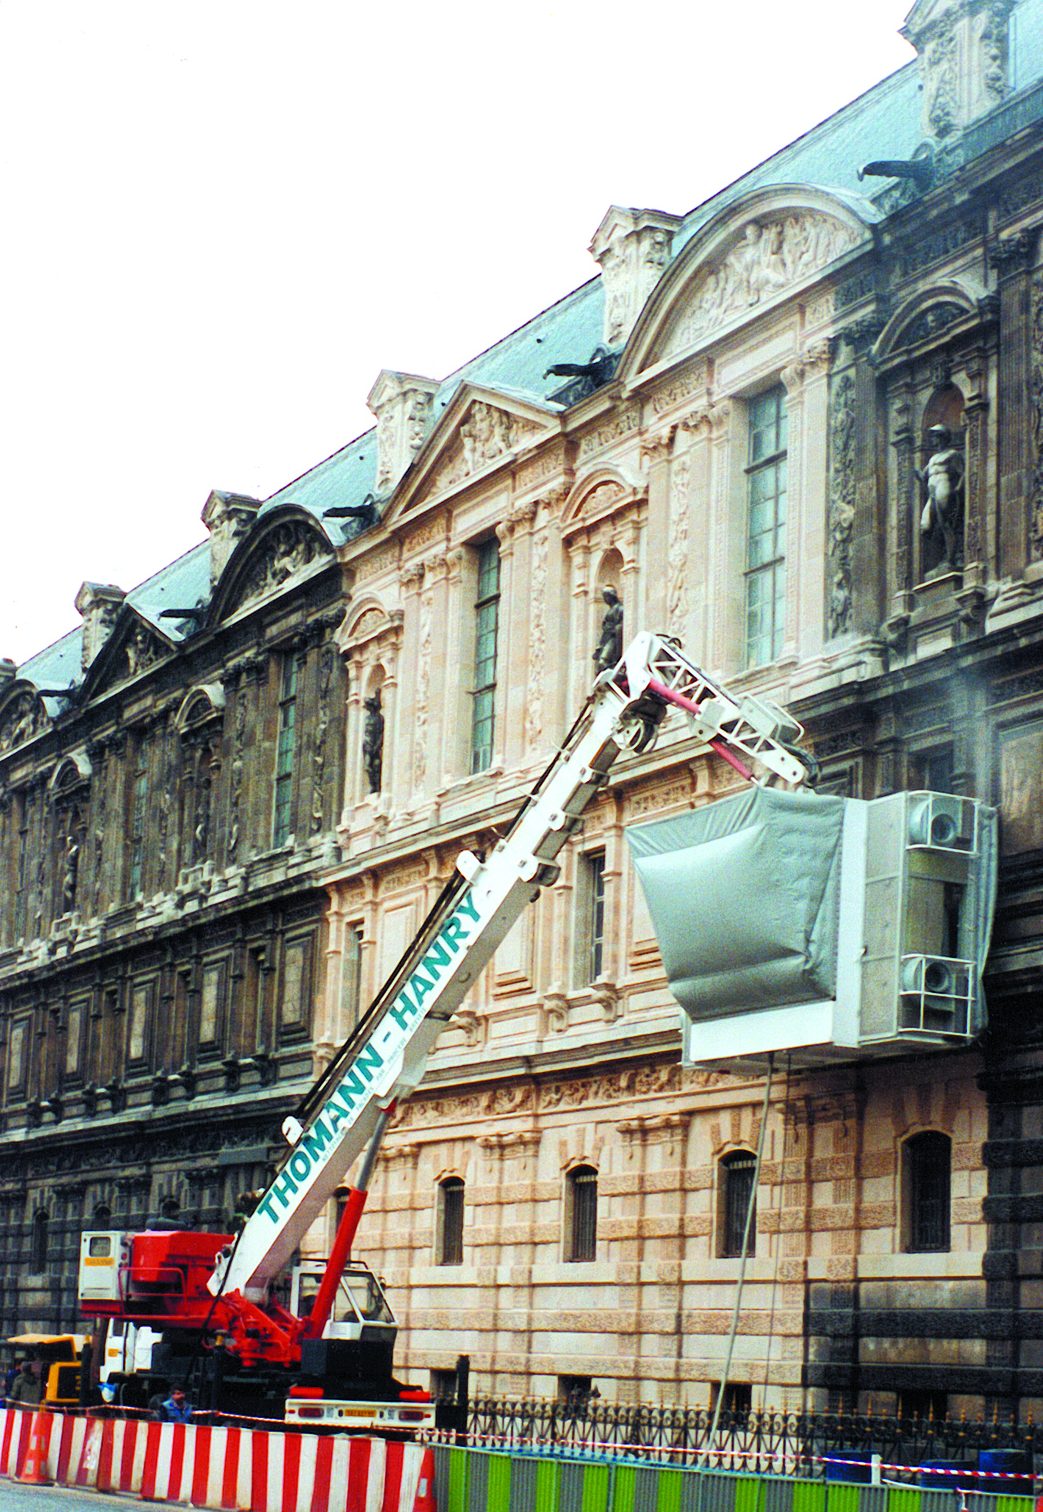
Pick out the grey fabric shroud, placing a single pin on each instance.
(744, 898)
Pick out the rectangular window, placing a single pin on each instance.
(352, 975)
(582, 1214)
(138, 820)
(486, 615)
(592, 922)
(766, 528)
(282, 813)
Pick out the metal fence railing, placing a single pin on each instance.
(782, 1442)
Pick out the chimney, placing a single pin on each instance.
(227, 516)
(402, 404)
(99, 604)
(632, 248)
(963, 48)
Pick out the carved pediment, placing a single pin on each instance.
(485, 434)
(285, 552)
(596, 497)
(21, 717)
(769, 257)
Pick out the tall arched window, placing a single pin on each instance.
(926, 1182)
(736, 1173)
(581, 1213)
(38, 1244)
(450, 1238)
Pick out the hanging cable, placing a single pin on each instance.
(751, 1208)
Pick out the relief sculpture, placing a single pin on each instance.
(768, 259)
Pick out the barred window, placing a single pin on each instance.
(581, 1214)
(737, 1172)
(766, 527)
(451, 1221)
(926, 1181)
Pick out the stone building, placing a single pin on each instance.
(800, 427)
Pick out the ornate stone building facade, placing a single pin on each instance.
(800, 427)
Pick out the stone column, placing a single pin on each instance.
(454, 747)
(1020, 407)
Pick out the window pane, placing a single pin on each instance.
(486, 614)
(928, 1165)
(765, 527)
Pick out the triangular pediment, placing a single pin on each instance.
(753, 255)
(283, 548)
(22, 716)
(479, 430)
(133, 647)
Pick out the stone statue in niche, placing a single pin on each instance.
(610, 642)
(373, 742)
(71, 872)
(941, 519)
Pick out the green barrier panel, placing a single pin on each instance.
(595, 1488)
(498, 1482)
(548, 1486)
(459, 1481)
(670, 1484)
(625, 1491)
(749, 1493)
(902, 1499)
(809, 1496)
(841, 1497)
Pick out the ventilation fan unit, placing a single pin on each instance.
(828, 928)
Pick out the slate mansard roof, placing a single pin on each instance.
(883, 122)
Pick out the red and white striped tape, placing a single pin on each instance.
(246, 1469)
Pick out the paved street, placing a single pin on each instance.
(18, 1498)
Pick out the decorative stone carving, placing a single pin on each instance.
(227, 517)
(537, 637)
(99, 604)
(402, 404)
(771, 257)
(287, 550)
(485, 434)
(841, 503)
(963, 47)
(677, 550)
(142, 650)
(423, 688)
(23, 718)
(235, 798)
(322, 724)
(632, 248)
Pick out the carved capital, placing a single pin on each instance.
(1014, 254)
(411, 577)
(657, 448)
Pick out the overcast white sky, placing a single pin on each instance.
(223, 218)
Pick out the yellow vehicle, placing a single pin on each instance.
(59, 1359)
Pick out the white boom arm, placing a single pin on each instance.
(384, 1059)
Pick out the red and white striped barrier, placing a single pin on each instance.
(228, 1469)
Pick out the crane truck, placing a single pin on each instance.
(323, 1357)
